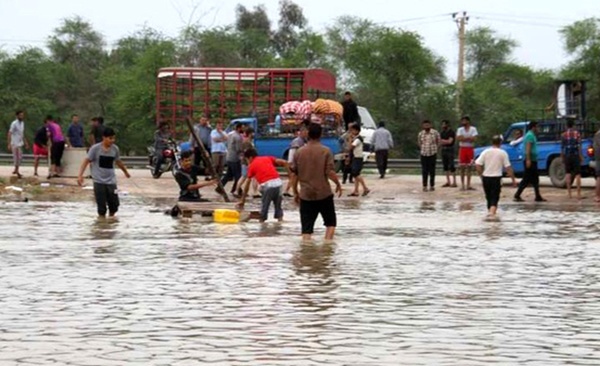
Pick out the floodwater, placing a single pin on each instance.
(405, 283)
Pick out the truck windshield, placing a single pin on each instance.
(366, 120)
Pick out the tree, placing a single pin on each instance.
(291, 23)
(27, 82)
(254, 33)
(130, 79)
(79, 50)
(485, 50)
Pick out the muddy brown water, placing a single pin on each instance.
(405, 283)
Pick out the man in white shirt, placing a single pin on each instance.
(16, 140)
(490, 166)
(466, 136)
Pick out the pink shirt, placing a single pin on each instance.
(55, 132)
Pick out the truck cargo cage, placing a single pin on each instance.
(225, 93)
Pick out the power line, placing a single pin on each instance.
(524, 16)
(414, 19)
(519, 22)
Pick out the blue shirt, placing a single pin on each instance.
(218, 146)
(75, 135)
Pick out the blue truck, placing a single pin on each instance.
(549, 149)
(271, 141)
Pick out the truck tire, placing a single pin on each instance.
(557, 173)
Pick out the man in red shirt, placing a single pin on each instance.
(263, 169)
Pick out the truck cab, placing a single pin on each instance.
(549, 149)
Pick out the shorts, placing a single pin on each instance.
(17, 153)
(466, 155)
(310, 210)
(39, 150)
(106, 195)
(448, 160)
(244, 170)
(356, 167)
(572, 165)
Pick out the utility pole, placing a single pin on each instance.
(461, 20)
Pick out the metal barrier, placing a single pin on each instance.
(142, 162)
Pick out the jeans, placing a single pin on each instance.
(271, 194)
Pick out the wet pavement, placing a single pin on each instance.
(407, 282)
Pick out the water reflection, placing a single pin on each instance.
(105, 228)
(427, 206)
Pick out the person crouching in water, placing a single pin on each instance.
(187, 178)
(103, 156)
(490, 166)
(263, 169)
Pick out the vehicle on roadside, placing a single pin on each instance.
(251, 96)
(270, 141)
(549, 148)
(570, 104)
(170, 159)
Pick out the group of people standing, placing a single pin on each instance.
(430, 142)
(490, 164)
(49, 141)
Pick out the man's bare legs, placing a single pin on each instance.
(329, 232)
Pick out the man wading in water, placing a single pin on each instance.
(103, 157)
(490, 166)
(312, 169)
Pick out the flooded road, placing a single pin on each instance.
(406, 283)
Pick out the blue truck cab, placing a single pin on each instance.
(549, 149)
(270, 140)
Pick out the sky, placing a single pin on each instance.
(534, 24)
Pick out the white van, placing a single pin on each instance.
(367, 127)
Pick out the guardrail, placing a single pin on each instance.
(142, 162)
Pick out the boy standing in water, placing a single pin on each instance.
(264, 170)
(490, 166)
(103, 156)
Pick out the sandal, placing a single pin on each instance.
(446, 185)
(353, 195)
(366, 192)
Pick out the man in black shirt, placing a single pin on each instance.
(96, 131)
(448, 137)
(350, 113)
(187, 178)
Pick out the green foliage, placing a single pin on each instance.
(486, 51)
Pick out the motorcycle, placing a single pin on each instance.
(170, 157)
